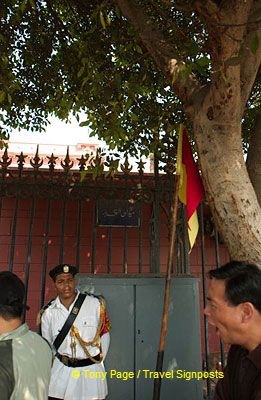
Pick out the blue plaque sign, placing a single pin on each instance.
(117, 213)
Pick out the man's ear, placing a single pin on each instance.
(247, 311)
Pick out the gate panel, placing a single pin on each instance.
(135, 308)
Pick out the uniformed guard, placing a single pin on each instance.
(77, 326)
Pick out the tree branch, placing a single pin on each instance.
(184, 6)
(164, 54)
(250, 61)
(157, 45)
(208, 9)
(59, 24)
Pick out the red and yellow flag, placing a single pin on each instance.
(191, 190)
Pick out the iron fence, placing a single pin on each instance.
(132, 209)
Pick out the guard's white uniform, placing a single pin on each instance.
(80, 383)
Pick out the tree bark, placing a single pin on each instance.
(217, 131)
(230, 194)
(254, 158)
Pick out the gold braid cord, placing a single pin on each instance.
(96, 342)
(39, 317)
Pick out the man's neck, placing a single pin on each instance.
(68, 302)
(9, 325)
(252, 345)
(252, 338)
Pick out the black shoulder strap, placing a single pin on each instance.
(70, 320)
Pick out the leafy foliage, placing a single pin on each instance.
(62, 56)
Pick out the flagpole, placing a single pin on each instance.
(165, 313)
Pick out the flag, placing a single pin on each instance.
(191, 190)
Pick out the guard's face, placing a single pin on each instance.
(65, 286)
(224, 316)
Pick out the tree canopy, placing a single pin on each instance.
(137, 69)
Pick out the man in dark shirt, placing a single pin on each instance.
(25, 358)
(234, 308)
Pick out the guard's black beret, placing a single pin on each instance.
(63, 269)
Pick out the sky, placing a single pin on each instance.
(56, 138)
(57, 132)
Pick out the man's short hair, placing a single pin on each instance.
(242, 282)
(12, 292)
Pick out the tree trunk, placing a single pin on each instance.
(216, 112)
(229, 191)
(254, 158)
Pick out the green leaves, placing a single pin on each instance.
(95, 165)
(23, 5)
(102, 20)
(61, 57)
(2, 96)
(80, 72)
(203, 62)
(84, 123)
(182, 72)
(254, 44)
